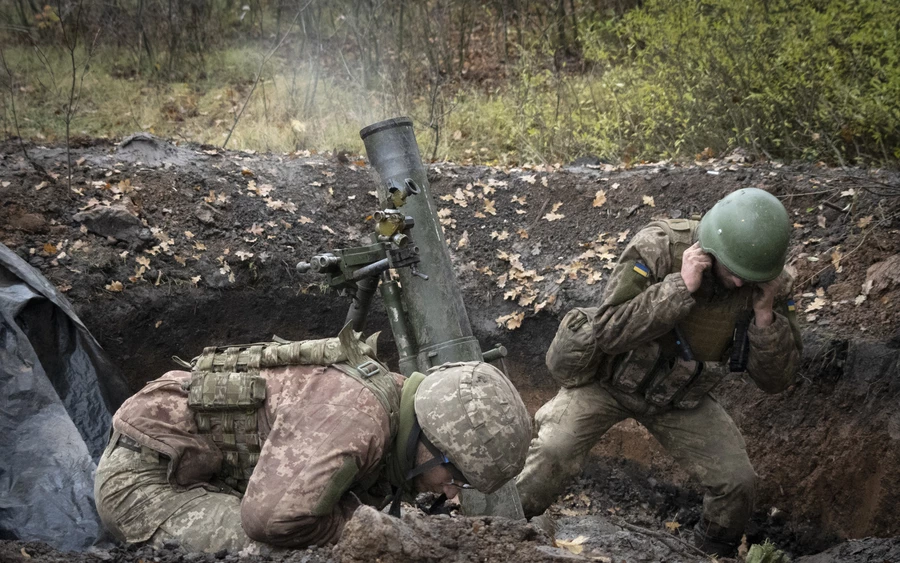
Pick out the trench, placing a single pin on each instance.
(826, 450)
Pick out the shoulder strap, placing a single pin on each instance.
(681, 233)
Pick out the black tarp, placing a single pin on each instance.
(57, 392)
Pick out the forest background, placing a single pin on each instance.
(499, 82)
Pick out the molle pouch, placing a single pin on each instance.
(636, 367)
(710, 376)
(667, 383)
(573, 356)
(212, 391)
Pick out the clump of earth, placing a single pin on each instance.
(164, 249)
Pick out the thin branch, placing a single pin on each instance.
(260, 70)
(12, 101)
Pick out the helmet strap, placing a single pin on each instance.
(412, 447)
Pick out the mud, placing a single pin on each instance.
(213, 262)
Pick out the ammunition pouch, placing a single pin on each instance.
(676, 382)
(635, 367)
(573, 356)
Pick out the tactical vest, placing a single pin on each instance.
(226, 391)
(709, 329)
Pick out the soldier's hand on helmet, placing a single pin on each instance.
(764, 300)
(693, 263)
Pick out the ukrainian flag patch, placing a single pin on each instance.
(641, 269)
(791, 305)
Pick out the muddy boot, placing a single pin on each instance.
(716, 540)
(545, 523)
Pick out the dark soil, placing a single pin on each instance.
(208, 258)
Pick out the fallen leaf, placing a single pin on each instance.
(522, 233)
(49, 248)
(530, 178)
(199, 246)
(519, 200)
(512, 321)
(195, 280)
(256, 230)
(623, 236)
(158, 324)
(463, 240)
(817, 304)
(820, 292)
(489, 207)
(848, 193)
(114, 286)
(648, 200)
(520, 212)
(188, 235)
(672, 526)
(615, 186)
(860, 299)
(553, 216)
(243, 255)
(821, 221)
(599, 198)
(556, 207)
(574, 546)
(246, 171)
(836, 260)
(143, 261)
(329, 229)
(304, 220)
(41, 186)
(865, 221)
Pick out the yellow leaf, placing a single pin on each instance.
(304, 220)
(522, 233)
(672, 526)
(49, 248)
(836, 260)
(114, 286)
(553, 216)
(489, 207)
(575, 546)
(530, 179)
(143, 261)
(246, 171)
(556, 207)
(599, 198)
(648, 200)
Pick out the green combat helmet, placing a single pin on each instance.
(748, 231)
(472, 413)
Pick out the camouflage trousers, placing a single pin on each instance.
(704, 440)
(137, 504)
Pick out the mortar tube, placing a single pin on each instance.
(393, 304)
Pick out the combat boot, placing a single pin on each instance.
(714, 539)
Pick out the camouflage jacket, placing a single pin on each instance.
(323, 432)
(646, 297)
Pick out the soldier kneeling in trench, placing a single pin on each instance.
(277, 444)
(687, 303)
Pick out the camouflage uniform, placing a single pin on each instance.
(644, 300)
(322, 434)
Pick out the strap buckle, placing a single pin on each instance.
(368, 369)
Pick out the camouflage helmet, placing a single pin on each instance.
(748, 231)
(472, 413)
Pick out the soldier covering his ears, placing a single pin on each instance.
(277, 444)
(687, 303)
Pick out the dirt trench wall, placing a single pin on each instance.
(212, 238)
